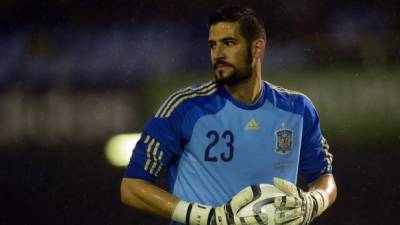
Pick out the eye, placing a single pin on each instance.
(229, 42)
(211, 45)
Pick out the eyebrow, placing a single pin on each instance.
(222, 40)
(228, 39)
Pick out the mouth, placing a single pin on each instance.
(221, 66)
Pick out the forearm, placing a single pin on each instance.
(327, 185)
(145, 196)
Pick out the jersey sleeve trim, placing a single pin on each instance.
(327, 155)
(154, 156)
(148, 159)
(177, 98)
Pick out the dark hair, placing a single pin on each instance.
(251, 25)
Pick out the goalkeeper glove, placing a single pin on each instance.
(197, 214)
(298, 207)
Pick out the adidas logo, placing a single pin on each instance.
(252, 125)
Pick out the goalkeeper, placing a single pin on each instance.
(216, 139)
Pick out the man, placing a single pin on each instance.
(221, 137)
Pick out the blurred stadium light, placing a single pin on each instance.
(119, 148)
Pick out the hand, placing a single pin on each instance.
(298, 207)
(196, 214)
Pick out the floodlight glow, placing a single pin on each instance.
(119, 148)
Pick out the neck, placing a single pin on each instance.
(248, 91)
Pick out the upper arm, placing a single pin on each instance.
(158, 144)
(315, 159)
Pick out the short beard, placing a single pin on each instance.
(238, 77)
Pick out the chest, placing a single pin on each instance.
(235, 135)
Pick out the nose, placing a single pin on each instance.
(218, 53)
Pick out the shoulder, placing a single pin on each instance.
(183, 99)
(288, 100)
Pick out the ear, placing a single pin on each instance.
(258, 47)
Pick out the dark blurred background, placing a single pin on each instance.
(75, 73)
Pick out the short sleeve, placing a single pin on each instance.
(164, 136)
(315, 159)
(159, 143)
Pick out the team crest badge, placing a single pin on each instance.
(284, 141)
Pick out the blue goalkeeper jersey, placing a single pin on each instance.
(214, 146)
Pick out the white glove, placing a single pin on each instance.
(197, 214)
(298, 207)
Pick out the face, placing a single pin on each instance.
(230, 54)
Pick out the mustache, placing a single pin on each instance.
(221, 62)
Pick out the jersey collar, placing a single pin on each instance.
(260, 101)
